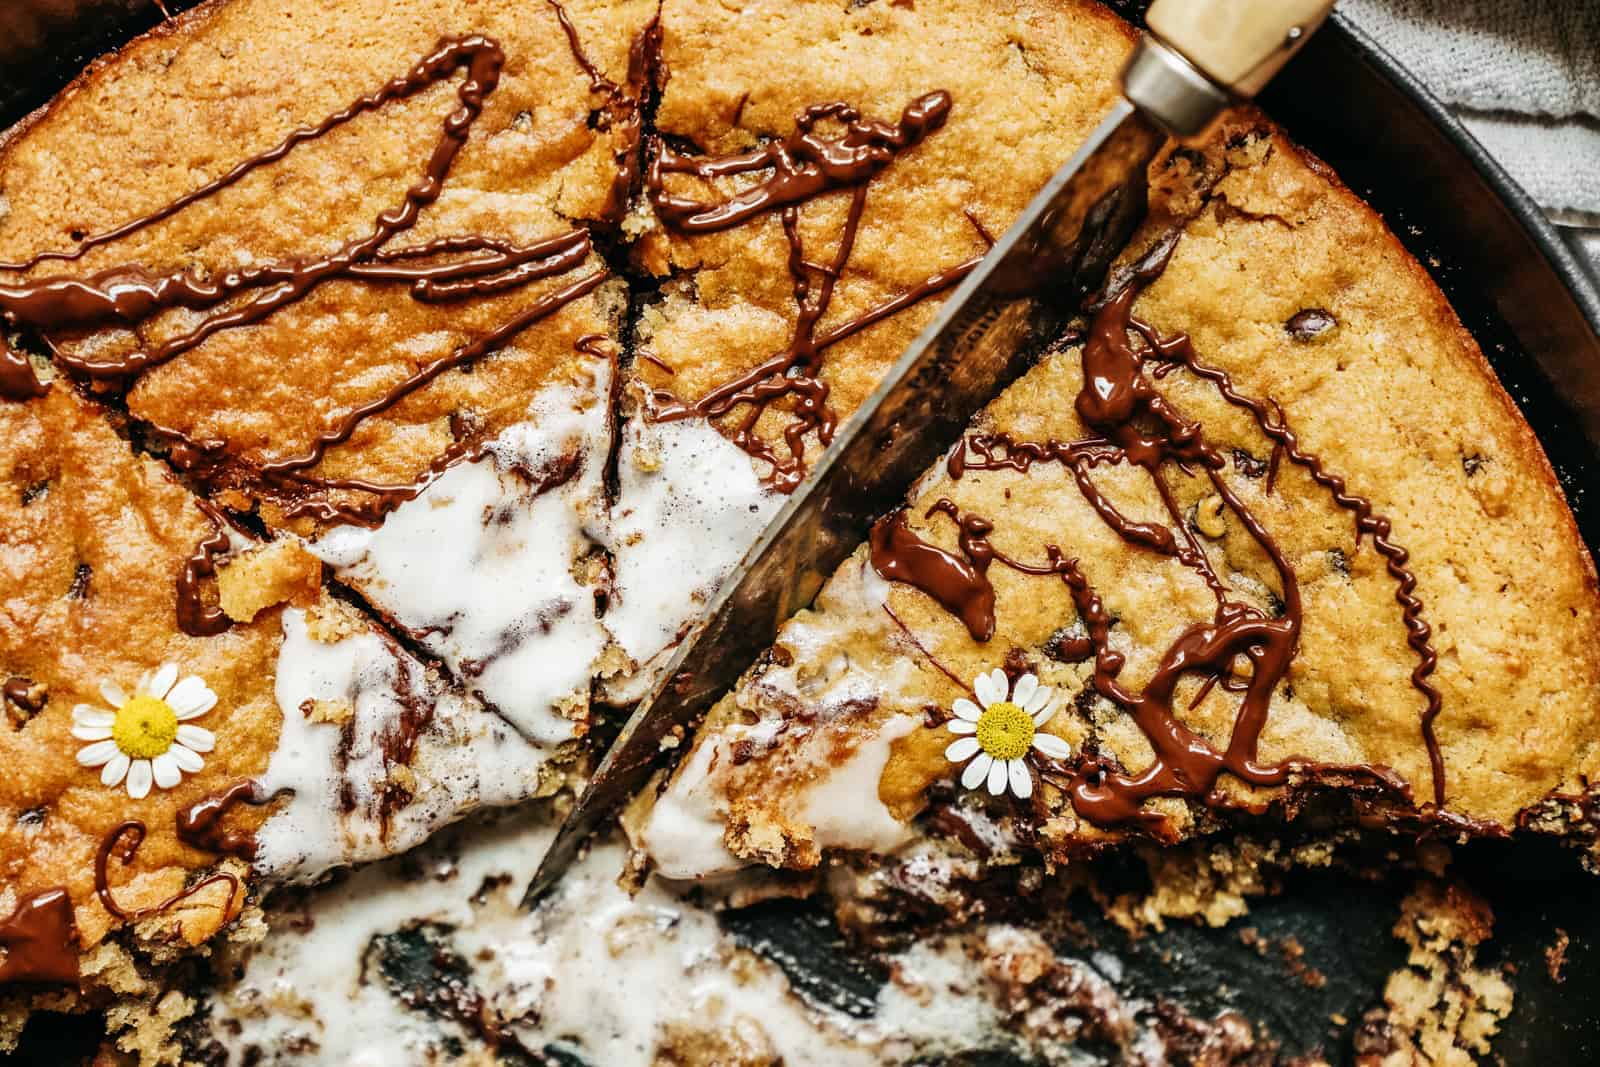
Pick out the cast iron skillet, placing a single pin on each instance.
(1536, 315)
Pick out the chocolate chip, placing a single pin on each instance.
(465, 424)
(1339, 561)
(1195, 158)
(1473, 464)
(1070, 644)
(1017, 663)
(854, 707)
(490, 886)
(24, 698)
(32, 817)
(80, 582)
(1248, 465)
(34, 492)
(1310, 324)
(551, 474)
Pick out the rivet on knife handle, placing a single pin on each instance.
(1201, 55)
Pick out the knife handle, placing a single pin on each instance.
(1239, 44)
(1200, 55)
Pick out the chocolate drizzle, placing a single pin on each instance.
(803, 166)
(1136, 424)
(200, 824)
(195, 617)
(923, 649)
(17, 378)
(961, 586)
(449, 268)
(622, 109)
(125, 839)
(398, 742)
(39, 940)
(1419, 635)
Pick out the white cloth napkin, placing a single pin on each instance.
(1524, 77)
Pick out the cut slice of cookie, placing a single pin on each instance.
(187, 714)
(1265, 530)
(806, 204)
(340, 264)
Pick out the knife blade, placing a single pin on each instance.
(983, 337)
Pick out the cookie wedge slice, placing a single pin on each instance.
(1264, 532)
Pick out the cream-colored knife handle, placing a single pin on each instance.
(1239, 44)
(1202, 54)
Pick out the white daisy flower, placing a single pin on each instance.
(146, 738)
(998, 737)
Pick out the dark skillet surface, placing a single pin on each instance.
(1535, 314)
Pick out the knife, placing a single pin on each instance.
(1199, 56)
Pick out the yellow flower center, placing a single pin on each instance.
(145, 727)
(1005, 731)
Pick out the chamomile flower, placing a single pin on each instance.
(998, 737)
(146, 738)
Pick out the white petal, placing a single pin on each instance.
(196, 737)
(1021, 779)
(139, 779)
(143, 688)
(116, 770)
(89, 715)
(1052, 746)
(997, 777)
(961, 749)
(1037, 700)
(1027, 685)
(112, 692)
(91, 733)
(989, 691)
(186, 758)
(966, 709)
(161, 685)
(977, 770)
(165, 769)
(961, 726)
(1046, 711)
(191, 697)
(97, 753)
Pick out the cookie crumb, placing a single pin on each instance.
(262, 577)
